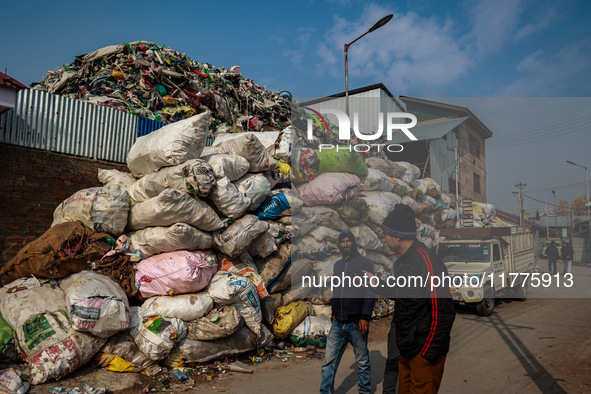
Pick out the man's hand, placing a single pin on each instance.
(369, 276)
(331, 318)
(364, 326)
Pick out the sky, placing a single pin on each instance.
(522, 66)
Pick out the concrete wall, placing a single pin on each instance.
(32, 184)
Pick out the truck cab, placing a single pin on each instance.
(480, 263)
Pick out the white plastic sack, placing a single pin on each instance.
(256, 187)
(156, 336)
(411, 173)
(171, 145)
(238, 237)
(367, 239)
(193, 177)
(170, 207)
(380, 205)
(115, 177)
(322, 234)
(330, 188)
(193, 351)
(263, 246)
(96, 303)
(377, 181)
(287, 143)
(249, 147)
(231, 166)
(186, 307)
(52, 347)
(328, 217)
(312, 327)
(226, 197)
(266, 138)
(179, 236)
(102, 209)
(219, 323)
(228, 288)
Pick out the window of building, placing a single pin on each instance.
(474, 145)
(476, 183)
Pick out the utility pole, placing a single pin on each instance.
(457, 176)
(522, 210)
(555, 213)
(547, 217)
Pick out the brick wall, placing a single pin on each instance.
(32, 184)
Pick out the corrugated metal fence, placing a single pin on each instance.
(45, 121)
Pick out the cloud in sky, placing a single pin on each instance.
(426, 54)
(545, 74)
(410, 51)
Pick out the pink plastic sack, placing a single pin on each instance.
(330, 188)
(177, 272)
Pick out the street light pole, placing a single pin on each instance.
(377, 25)
(588, 207)
(555, 213)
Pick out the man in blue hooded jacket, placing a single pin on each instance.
(352, 307)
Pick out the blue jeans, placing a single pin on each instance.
(340, 335)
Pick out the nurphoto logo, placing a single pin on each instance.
(393, 120)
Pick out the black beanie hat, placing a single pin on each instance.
(401, 222)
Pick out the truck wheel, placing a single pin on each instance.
(520, 292)
(487, 305)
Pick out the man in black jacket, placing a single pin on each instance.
(424, 313)
(567, 256)
(351, 310)
(552, 254)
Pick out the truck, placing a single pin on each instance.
(486, 263)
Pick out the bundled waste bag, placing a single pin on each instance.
(341, 159)
(63, 249)
(96, 304)
(170, 207)
(288, 317)
(102, 209)
(237, 238)
(228, 288)
(177, 272)
(171, 145)
(186, 307)
(249, 147)
(115, 177)
(313, 330)
(228, 200)
(220, 322)
(193, 177)
(51, 347)
(231, 166)
(330, 188)
(121, 354)
(179, 236)
(156, 336)
(196, 351)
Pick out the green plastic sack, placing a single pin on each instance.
(306, 341)
(341, 160)
(6, 332)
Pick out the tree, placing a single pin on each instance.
(580, 206)
(562, 208)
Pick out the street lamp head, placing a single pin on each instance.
(381, 23)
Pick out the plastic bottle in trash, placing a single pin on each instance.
(179, 374)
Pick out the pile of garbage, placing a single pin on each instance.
(160, 83)
(198, 252)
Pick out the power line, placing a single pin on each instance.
(544, 130)
(568, 130)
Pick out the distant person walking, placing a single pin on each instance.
(552, 254)
(567, 256)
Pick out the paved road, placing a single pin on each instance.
(542, 345)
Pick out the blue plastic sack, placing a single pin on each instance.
(273, 207)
